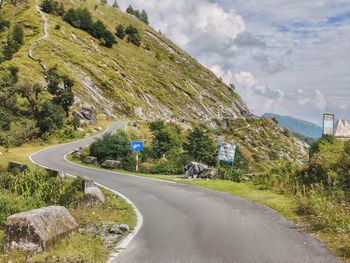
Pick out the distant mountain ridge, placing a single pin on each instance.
(297, 126)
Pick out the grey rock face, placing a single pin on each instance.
(88, 112)
(77, 154)
(93, 194)
(199, 170)
(124, 227)
(193, 169)
(38, 229)
(90, 160)
(110, 164)
(17, 166)
(109, 232)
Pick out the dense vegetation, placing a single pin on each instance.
(20, 192)
(41, 112)
(322, 189)
(81, 18)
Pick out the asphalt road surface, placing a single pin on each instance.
(188, 224)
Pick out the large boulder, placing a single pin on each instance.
(93, 194)
(38, 229)
(110, 164)
(194, 169)
(88, 112)
(17, 166)
(199, 170)
(90, 160)
(209, 173)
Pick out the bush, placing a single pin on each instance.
(166, 168)
(120, 31)
(113, 147)
(52, 7)
(133, 35)
(4, 24)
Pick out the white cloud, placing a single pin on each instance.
(245, 79)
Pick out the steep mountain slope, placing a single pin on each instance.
(297, 126)
(124, 80)
(154, 80)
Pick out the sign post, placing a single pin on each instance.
(328, 124)
(136, 147)
(227, 152)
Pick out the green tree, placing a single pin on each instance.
(130, 10)
(120, 31)
(200, 146)
(112, 147)
(64, 98)
(31, 92)
(47, 6)
(14, 41)
(144, 17)
(115, 4)
(53, 80)
(5, 121)
(3, 24)
(133, 35)
(51, 117)
(165, 139)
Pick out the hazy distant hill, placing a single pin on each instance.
(297, 126)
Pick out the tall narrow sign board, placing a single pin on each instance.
(328, 124)
(136, 147)
(227, 152)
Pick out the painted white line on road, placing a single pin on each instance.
(121, 246)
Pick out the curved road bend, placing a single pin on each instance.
(192, 225)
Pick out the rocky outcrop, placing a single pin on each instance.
(38, 229)
(342, 129)
(90, 160)
(109, 232)
(93, 194)
(110, 164)
(199, 170)
(21, 167)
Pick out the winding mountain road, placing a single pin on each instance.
(187, 224)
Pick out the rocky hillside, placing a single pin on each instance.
(154, 80)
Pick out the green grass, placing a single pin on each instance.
(78, 247)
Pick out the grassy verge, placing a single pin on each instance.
(21, 154)
(286, 205)
(78, 246)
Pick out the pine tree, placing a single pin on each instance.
(115, 4)
(120, 31)
(144, 17)
(130, 10)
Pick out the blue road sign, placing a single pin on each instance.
(137, 146)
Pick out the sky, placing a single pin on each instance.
(290, 57)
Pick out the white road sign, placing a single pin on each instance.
(227, 152)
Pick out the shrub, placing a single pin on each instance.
(114, 147)
(4, 24)
(120, 31)
(52, 7)
(133, 35)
